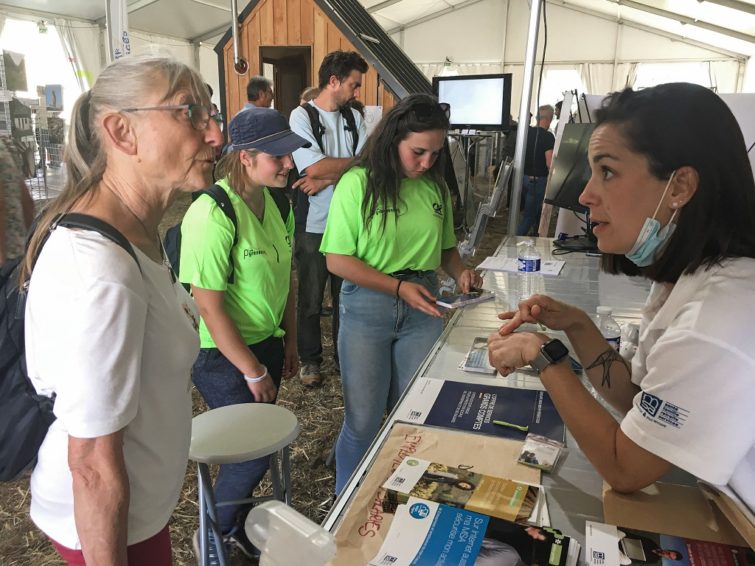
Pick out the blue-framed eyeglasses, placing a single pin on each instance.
(199, 115)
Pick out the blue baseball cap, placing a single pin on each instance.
(265, 130)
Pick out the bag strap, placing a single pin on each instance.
(87, 222)
(221, 198)
(318, 130)
(351, 126)
(282, 202)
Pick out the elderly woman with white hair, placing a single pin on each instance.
(111, 338)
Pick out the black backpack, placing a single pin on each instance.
(172, 241)
(301, 200)
(26, 415)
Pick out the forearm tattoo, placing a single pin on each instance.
(606, 360)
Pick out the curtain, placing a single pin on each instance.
(73, 49)
(431, 70)
(723, 75)
(603, 78)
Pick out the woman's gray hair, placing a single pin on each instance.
(125, 83)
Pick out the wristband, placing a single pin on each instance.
(400, 281)
(256, 379)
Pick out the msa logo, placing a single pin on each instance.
(650, 404)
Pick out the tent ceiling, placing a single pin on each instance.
(728, 24)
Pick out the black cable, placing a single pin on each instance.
(750, 148)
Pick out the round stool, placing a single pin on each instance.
(233, 434)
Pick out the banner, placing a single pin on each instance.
(117, 24)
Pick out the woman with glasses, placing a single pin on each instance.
(240, 277)
(110, 334)
(390, 227)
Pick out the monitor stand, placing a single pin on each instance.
(586, 243)
(577, 244)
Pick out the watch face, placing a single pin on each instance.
(555, 350)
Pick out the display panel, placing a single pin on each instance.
(571, 169)
(480, 102)
(15, 71)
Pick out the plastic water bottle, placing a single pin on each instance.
(528, 268)
(630, 341)
(609, 328)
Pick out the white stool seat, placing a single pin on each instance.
(238, 433)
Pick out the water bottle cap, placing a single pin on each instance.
(604, 310)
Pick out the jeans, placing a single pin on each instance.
(382, 343)
(313, 275)
(533, 191)
(221, 384)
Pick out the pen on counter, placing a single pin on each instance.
(523, 428)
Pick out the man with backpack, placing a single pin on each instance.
(336, 137)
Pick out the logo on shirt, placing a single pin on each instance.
(438, 209)
(381, 210)
(662, 412)
(251, 252)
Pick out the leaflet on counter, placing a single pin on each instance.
(460, 487)
(425, 533)
(608, 545)
(475, 407)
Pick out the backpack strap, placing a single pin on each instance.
(318, 130)
(87, 222)
(221, 198)
(282, 202)
(351, 126)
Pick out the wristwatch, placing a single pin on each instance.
(552, 352)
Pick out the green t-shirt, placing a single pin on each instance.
(415, 233)
(261, 258)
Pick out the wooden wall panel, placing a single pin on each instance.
(308, 24)
(267, 23)
(280, 28)
(293, 21)
(334, 38)
(320, 40)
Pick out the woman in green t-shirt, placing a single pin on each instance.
(390, 226)
(240, 277)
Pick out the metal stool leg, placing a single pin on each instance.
(208, 518)
(286, 469)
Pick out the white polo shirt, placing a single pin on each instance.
(696, 367)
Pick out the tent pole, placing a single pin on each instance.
(524, 116)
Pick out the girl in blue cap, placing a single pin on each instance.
(240, 276)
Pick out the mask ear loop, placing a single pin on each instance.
(657, 208)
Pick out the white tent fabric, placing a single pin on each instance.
(72, 45)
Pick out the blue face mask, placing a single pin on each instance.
(652, 238)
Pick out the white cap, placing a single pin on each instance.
(604, 310)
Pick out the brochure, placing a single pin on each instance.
(498, 497)
(464, 299)
(608, 545)
(489, 409)
(425, 533)
(550, 267)
(477, 358)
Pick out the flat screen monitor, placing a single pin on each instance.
(479, 102)
(15, 71)
(571, 170)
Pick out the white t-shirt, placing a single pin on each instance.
(116, 346)
(337, 142)
(696, 367)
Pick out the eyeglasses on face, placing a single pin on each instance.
(199, 115)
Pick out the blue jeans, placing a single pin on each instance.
(533, 191)
(313, 275)
(221, 384)
(382, 341)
